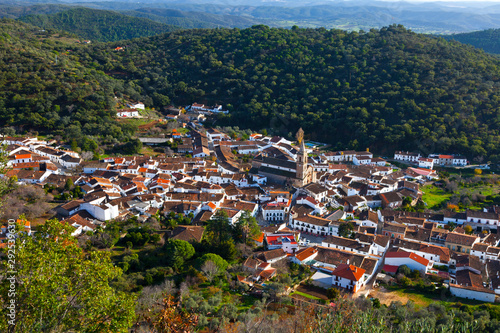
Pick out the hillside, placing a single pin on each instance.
(43, 88)
(98, 25)
(488, 40)
(13, 11)
(385, 89)
(193, 19)
(425, 17)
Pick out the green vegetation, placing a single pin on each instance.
(305, 295)
(98, 25)
(61, 288)
(45, 89)
(434, 196)
(488, 40)
(384, 89)
(460, 192)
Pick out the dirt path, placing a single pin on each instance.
(387, 297)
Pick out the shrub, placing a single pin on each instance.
(332, 293)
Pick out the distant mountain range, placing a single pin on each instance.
(194, 19)
(99, 25)
(428, 17)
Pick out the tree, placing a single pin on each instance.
(29, 200)
(171, 318)
(178, 251)
(168, 152)
(332, 293)
(405, 270)
(345, 229)
(219, 228)
(468, 229)
(219, 262)
(210, 269)
(451, 225)
(73, 295)
(247, 226)
(69, 184)
(478, 172)
(87, 155)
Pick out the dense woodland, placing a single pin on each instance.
(44, 89)
(98, 25)
(383, 89)
(488, 40)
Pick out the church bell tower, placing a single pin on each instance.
(301, 156)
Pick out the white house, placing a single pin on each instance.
(304, 256)
(70, 162)
(137, 105)
(286, 242)
(127, 113)
(276, 211)
(348, 277)
(468, 292)
(102, 212)
(318, 207)
(410, 259)
(361, 160)
(348, 244)
(427, 163)
(482, 219)
(406, 156)
(312, 224)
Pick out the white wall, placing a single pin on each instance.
(472, 294)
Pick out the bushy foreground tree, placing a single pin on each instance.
(61, 288)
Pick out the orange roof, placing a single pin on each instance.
(411, 255)
(446, 156)
(26, 223)
(143, 170)
(22, 156)
(305, 253)
(11, 173)
(174, 130)
(26, 165)
(260, 238)
(212, 205)
(264, 265)
(349, 272)
(139, 179)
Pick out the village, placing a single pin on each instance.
(337, 212)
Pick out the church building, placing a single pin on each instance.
(287, 172)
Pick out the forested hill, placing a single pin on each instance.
(43, 88)
(99, 25)
(384, 89)
(193, 19)
(488, 40)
